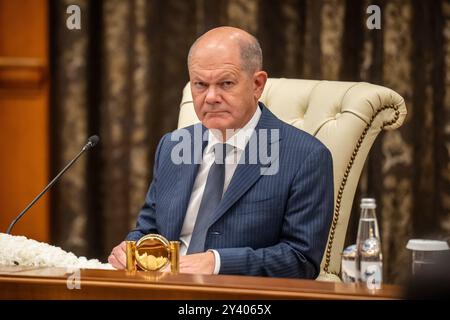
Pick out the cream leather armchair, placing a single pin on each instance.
(346, 117)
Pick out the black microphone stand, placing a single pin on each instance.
(91, 142)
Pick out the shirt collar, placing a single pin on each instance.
(240, 138)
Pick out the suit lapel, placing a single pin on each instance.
(246, 175)
(186, 174)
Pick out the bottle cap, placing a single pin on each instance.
(427, 245)
(368, 203)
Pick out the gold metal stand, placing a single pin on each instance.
(152, 252)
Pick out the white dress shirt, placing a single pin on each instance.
(238, 141)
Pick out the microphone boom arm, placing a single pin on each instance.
(88, 145)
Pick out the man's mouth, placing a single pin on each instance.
(215, 113)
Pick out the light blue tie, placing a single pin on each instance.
(211, 198)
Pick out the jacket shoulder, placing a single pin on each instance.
(298, 139)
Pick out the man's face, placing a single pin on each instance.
(224, 95)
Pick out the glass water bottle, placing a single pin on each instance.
(369, 258)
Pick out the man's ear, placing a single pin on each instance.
(259, 81)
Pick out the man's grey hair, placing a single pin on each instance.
(251, 54)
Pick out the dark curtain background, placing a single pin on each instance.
(122, 74)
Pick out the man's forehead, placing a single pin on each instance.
(214, 58)
(215, 71)
(223, 51)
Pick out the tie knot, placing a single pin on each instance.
(220, 152)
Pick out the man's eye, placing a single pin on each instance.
(200, 85)
(227, 84)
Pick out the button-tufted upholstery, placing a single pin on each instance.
(346, 117)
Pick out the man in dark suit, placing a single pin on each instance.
(244, 192)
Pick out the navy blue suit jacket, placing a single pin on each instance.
(272, 225)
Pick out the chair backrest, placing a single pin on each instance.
(346, 117)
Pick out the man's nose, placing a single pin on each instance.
(212, 95)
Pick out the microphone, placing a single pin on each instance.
(92, 141)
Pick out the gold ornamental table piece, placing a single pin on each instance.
(152, 252)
